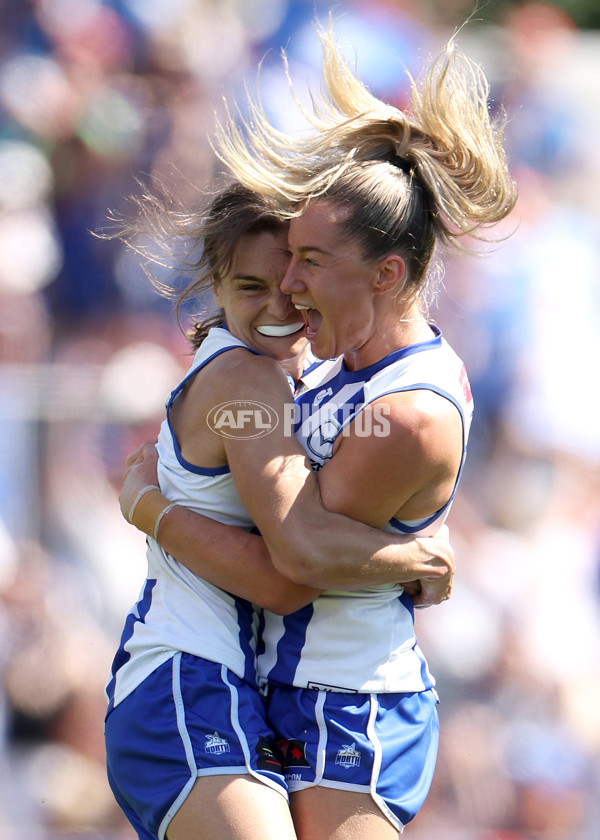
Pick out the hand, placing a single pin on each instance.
(433, 589)
(141, 470)
(431, 592)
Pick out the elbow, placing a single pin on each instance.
(283, 607)
(275, 605)
(302, 566)
(306, 554)
(289, 598)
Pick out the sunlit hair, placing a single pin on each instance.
(406, 180)
(200, 241)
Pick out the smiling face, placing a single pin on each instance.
(256, 311)
(336, 290)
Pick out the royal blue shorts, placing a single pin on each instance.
(190, 718)
(381, 744)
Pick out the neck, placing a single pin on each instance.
(294, 366)
(400, 333)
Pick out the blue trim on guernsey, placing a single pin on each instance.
(370, 371)
(313, 365)
(122, 656)
(407, 602)
(346, 376)
(245, 614)
(289, 647)
(194, 468)
(402, 526)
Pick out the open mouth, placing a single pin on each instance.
(280, 330)
(312, 319)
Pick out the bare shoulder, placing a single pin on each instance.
(419, 421)
(238, 367)
(425, 434)
(419, 411)
(405, 459)
(237, 376)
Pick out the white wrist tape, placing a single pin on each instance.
(163, 512)
(142, 492)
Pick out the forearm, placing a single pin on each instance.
(224, 555)
(308, 548)
(315, 556)
(334, 552)
(317, 547)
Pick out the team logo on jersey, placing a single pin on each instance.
(348, 756)
(294, 753)
(245, 419)
(268, 758)
(215, 745)
(326, 392)
(320, 441)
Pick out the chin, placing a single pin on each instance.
(296, 348)
(320, 350)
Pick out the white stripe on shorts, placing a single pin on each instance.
(187, 745)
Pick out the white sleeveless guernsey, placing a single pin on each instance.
(362, 641)
(177, 610)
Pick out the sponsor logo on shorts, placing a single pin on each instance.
(215, 745)
(348, 756)
(294, 753)
(268, 759)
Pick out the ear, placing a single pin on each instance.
(389, 275)
(215, 288)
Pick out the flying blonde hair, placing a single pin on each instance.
(436, 172)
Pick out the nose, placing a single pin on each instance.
(291, 283)
(280, 305)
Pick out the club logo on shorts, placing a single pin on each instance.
(348, 756)
(215, 745)
(294, 753)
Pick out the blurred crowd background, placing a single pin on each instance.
(95, 94)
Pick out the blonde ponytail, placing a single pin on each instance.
(455, 168)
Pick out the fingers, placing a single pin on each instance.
(412, 588)
(439, 558)
(433, 592)
(142, 451)
(135, 456)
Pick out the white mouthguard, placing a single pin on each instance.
(278, 331)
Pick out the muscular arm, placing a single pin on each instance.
(409, 473)
(224, 555)
(304, 542)
(240, 562)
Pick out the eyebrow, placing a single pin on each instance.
(305, 248)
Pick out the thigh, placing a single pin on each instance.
(380, 747)
(327, 814)
(191, 718)
(236, 808)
